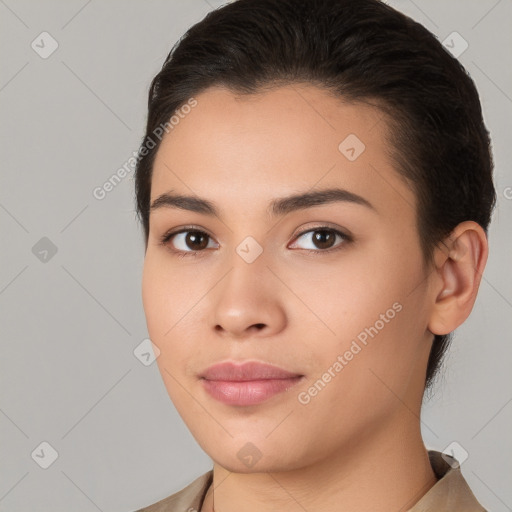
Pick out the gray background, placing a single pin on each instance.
(72, 320)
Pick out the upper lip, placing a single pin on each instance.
(250, 370)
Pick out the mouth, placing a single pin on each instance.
(249, 392)
(247, 384)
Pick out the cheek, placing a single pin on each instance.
(161, 319)
(169, 307)
(358, 384)
(153, 299)
(164, 297)
(371, 321)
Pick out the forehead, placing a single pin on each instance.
(242, 150)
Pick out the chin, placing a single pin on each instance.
(246, 457)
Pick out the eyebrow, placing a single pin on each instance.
(277, 207)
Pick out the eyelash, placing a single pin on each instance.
(166, 238)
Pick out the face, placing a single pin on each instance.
(331, 289)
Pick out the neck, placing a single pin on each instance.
(388, 472)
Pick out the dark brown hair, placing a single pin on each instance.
(358, 50)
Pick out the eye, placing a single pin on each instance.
(189, 241)
(323, 238)
(186, 241)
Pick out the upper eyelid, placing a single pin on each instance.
(184, 229)
(320, 227)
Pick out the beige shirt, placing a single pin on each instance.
(449, 494)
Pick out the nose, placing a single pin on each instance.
(248, 302)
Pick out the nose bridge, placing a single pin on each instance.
(251, 243)
(249, 266)
(250, 250)
(249, 294)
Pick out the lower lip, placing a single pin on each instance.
(249, 392)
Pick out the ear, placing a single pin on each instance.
(459, 263)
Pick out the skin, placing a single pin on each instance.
(357, 444)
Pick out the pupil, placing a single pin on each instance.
(193, 238)
(323, 239)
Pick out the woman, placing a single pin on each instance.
(315, 188)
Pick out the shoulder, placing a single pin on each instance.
(451, 491)
(189, 499)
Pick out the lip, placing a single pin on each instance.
(249, 383)
(250, 370)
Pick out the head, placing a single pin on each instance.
(267, 99)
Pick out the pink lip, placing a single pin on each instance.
(247, 384)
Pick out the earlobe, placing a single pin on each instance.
(460, 262)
